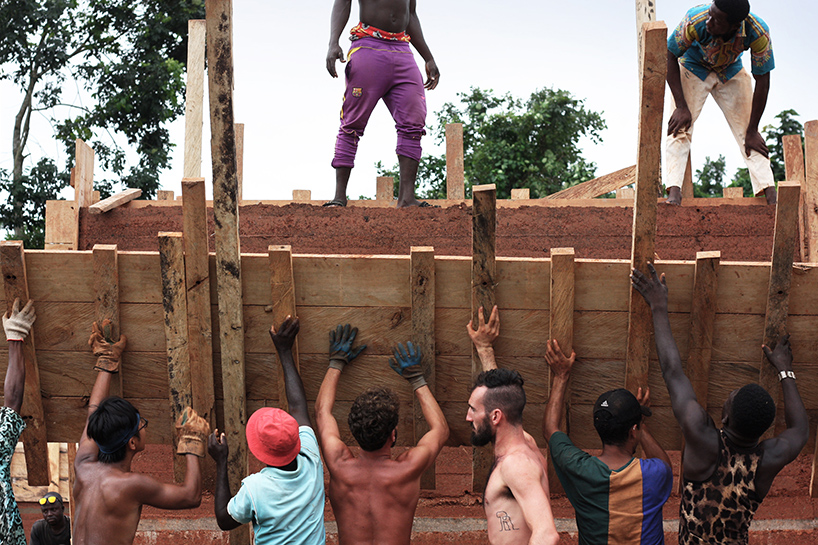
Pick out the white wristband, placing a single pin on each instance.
(785, 374)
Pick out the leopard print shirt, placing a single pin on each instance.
(720, 509)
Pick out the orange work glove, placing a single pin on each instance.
(107, 352)
(193, 431)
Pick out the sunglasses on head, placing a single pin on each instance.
(49, 499)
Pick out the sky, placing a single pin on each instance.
(290, 104)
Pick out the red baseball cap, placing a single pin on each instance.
(272, 435)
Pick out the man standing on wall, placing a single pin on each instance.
(380, 65)
(704, 58)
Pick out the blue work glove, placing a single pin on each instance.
(407, 364)
(340, 346)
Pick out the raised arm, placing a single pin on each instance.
(416, 34)
(283, 341)
(17, 326)
(650, 447)
(341, 353)
(340, 15)
(407, 363)
(691, 416)
(523, 476)
(484, 336)
(753, 139)
(560, 365)
(785, 446)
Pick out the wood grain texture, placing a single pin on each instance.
(302, 195)
(811, 189)
(385, 188)
(106, 301)
(794, 172)
(455, 175)
(34, 437)
(422, 281)
(61, 225)
(598, 186)
(83, 174)
(283, 297)
(733, 192)
(520, 194)
(194, 97)
(113, 201)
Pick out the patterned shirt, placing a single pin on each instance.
(702, 53)
(11, 525)
(622, 506)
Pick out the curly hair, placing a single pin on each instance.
(736, 10)
(752, 411)
(505, 392)
(373, 417)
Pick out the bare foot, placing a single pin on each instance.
(771, 195)
(674, 196)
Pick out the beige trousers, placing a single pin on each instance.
(735, 98)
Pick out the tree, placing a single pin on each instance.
(128, 56)
(773, 134)
(709, 178)
(512, 143)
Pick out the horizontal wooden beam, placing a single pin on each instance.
(115, 200)
(598, 186)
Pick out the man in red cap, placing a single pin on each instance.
(285, 500)
(373, 495)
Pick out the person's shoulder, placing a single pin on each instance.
(698, 14)
(756, 25)
(38, 526)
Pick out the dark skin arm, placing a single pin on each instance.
(218, 450)
(296, 399)
(560, 365)
(415, 32)
(753, 139)
(700, 433)
(650, 447)
(15, 382)
(340, 15)
(681, 118)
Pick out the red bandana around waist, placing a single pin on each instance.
(362, 30)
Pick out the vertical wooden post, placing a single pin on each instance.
(732, 192)
(240, 159)
(174, 301)
(794, 172)
(164, 195)
(423, 333)
(811, 189)
(34, 437)
(194, 98)
(282, 288)
(106, 300)
(54, 467)
(455, 176)
(648, 173)
(778, 294)
(561, 327)
(520, 194)
(645, 12)
(302, 195)
(483, 273)
(72, 479)
(228, 257)
(385, 188)
(83, 174)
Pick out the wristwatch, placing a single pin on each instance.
(785, 374)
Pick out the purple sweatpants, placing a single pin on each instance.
(379, 69)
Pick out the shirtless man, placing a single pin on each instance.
(109, 497)
(726, 472)
(517, 498)
(373, 495)
(383, 68)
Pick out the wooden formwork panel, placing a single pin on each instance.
(374, 294)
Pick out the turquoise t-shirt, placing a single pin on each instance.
(285, 506)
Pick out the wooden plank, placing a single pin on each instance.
(302, 195)
(687, 181)
(163, 195)
(784, 245)
(61, 227)
(174, 299)
(598, 186)
(198, 302)
(561, 327)
(106, 300)
(194, 98)
(72, 478)
(283, 296)
(645, 11)
(54, 467)
(811, 189)
(484, 270)
(733, 192)
(226, 197)
(625, 193)
(385, 188)
(83, 174)
(34, 437)
(648, 175)
(423, 333)
(455, 175)
(520, 194)
(794, 172)
(115, 200)
(240, 159)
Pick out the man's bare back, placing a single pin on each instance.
(389, 15)
(107, 513)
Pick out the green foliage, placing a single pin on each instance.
(512, 143)
(128, 56)
(773, 135)
(709, 178)
(42, 183)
